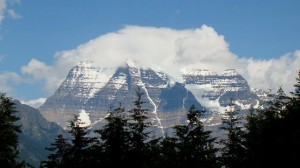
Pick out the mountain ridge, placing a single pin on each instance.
(37, 133)
(95, 89)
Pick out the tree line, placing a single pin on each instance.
(268, 136)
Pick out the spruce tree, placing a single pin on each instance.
(61, 147)
(74, 151)
(139, 134)
(81, 143)
(9, 131)
(194, 144)
(234, 150)
(292, 124)
(115, 137)
(266, 138)
(168, 153)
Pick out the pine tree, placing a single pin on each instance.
(73, 152)
(138, 125)
(61, 147)
(266, 138)
(9, 133)
(195, 145)
(168, 153)
(115, 137)
(276, 105)
(234, 150)
(294, 104)
(292, 124)
(296, 93)
(81, 143)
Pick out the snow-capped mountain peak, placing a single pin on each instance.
(230, 72)
(94, 89)
(198, 72)
(86, 79)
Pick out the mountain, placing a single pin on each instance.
(37, 133)
(90, 91)
(211, 87)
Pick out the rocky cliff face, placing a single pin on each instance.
(91, 91)
(214, 89)
(94, 90)
(83, 82)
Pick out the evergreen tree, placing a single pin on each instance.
(276, 105)
(194, 144)
(9, 133)
(139, 134)
(81, 143)
(294, 104)
(234, 150)
(73, 152)
(296, 93)
(266, 138)
(292, 124)
(115, 137)
(168, 153)
(153, 154)
(61, 147)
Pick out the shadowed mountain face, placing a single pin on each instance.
(37, 133)
(92, 90)
(210, 87)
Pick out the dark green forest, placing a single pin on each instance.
(268, 136)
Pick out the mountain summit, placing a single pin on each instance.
(92, 90)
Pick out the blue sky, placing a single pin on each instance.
(263, 31)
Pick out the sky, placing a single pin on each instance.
(40, 40)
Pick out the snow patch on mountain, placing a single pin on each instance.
(199, 91)
(230, 72)
(94, 89)
(90, 78)
(120, 81)
(84, 119)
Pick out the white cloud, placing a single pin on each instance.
(36, 103)
(5, 10)
(170, 50)
(12, 13)
(36, 68)
(271, 74)
(3, 7)
(53, 75)
(7, 79)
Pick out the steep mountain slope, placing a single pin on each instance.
(214, 91)
(77, 93)
(37, 133)
(82, 82)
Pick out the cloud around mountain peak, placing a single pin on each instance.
(171, 50)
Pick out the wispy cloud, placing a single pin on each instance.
(7, 79)
(36, 103)
(171, 50)
(6, 10)
(3, 8)
(12, 13)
